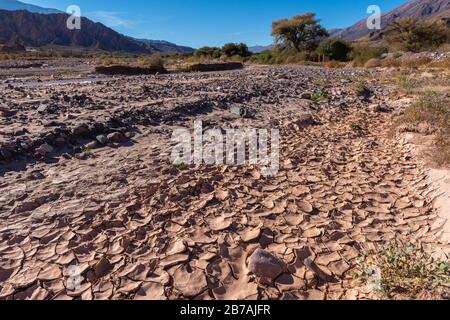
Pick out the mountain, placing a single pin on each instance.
(420, 9)
(12, 5)
(40, 30)
(164, 46)
(259, 49)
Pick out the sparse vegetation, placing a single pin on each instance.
(230, 51)
(405, 83)
(416, 35)
(433, 110)
(356, 126)
(334, 49)
(181, 166)
(320, 95)
(402, 268)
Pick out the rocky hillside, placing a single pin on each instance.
(421, 9)
(40, 30)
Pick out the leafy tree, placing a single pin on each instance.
(209, 52)
(299, 32)
(417, 35)
(236, 49)
(334, 49)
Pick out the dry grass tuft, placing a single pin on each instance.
(432, 111)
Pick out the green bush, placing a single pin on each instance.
(236, 49)
(280, 56)
(208, 52)
(334, 49)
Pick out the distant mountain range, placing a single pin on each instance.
(33, 26)
(259, 49)
(163, 46)
(420, 9)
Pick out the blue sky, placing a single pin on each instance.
(213, 22)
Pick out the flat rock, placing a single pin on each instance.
(265, 265)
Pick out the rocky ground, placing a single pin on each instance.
(86, 181)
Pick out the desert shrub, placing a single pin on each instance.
(266, 57)
(236, 49)
(361, 53)
(432, 109)
(401, 267)
(280, 56)
(154, 61)
(334, 49)
(417, 35)
(208, 52)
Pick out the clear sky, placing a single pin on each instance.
(198, 23)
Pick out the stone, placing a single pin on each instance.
(190, 284)
(44, 149)
(304, 120)
(306, 96)
(102, 268)
(116, 137)
(265, 265)
(92, 145)
(42, 108)
(80, 130)
(102, 139)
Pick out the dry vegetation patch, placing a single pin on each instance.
(405, 269)
(430, 114)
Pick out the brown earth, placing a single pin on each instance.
(137, 227)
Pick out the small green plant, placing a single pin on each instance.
(87, 151)
(181, 166)
(405, 83)
(361, 88)
(320, 95)
(401, 267)
(355, 126)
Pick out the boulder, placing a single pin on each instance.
(116, 137)
(44, 149)
(265, 265)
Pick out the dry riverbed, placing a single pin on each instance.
(86, 181)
